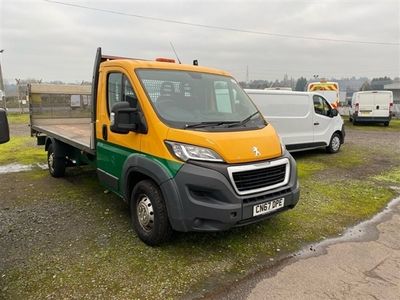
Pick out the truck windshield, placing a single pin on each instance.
(199, 101)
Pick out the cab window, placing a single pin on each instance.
(201, 101)
(120, 89)
(321, 106)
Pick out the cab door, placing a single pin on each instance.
(114, 148)
(323, 123)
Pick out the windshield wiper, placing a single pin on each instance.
(241, 123)
(208, 124)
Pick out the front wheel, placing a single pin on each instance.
(56, 164)
(149, 214)
(334, 144)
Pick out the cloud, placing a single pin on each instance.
(51, 41)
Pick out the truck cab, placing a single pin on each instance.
(184, 146)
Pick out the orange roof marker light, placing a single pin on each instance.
(162, 59)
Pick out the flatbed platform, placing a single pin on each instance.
(77, 135)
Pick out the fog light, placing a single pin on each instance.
(197, 222)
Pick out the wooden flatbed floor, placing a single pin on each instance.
(76, 135)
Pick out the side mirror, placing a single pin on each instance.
(4, 129)
(333, 112)
(123, 118)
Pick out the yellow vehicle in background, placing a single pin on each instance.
(183, 145)
(328, 89)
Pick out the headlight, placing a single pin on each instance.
(283, 147)
(186, 152)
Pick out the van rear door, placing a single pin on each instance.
(381, 104)
(366, 104)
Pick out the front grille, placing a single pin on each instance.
(261, 177)
(251, 180)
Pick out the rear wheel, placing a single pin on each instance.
(149, 214)
(334, 144)
(386, 123)
(56, 164)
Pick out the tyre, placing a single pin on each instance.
(386, 124)
(149, 214)
(334, 144)
(354, 122)
(56, 164)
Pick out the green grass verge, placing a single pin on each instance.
(392, 176)
(348, 157)
(393, 126)
(18, 119)
(23, 150)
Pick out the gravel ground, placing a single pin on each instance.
(40, 216)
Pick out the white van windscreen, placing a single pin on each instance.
(272, 105)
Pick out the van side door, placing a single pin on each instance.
(323, 123)
(381, 104)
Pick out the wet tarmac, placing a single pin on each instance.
(15, 168)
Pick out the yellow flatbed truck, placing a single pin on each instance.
(183, 145)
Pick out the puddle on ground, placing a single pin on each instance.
(364, 231)
(15, 167)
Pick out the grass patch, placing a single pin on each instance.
(306, 168)
(309, 162)
(392, 176)
(18, 119)
(393, 126)
(23, 150)
(100, 256)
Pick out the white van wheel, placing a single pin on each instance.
(334, 144)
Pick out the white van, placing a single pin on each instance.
(371, 106)
(304, 120)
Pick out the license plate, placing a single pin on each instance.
(365, 112)
(267, 207)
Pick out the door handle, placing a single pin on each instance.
(104, 132)
(316, 123)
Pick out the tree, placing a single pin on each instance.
(379, 83)
(301, 84)
(365, 86)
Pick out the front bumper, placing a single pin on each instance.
(199, 198)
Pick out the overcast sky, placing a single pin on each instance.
(51, 41)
